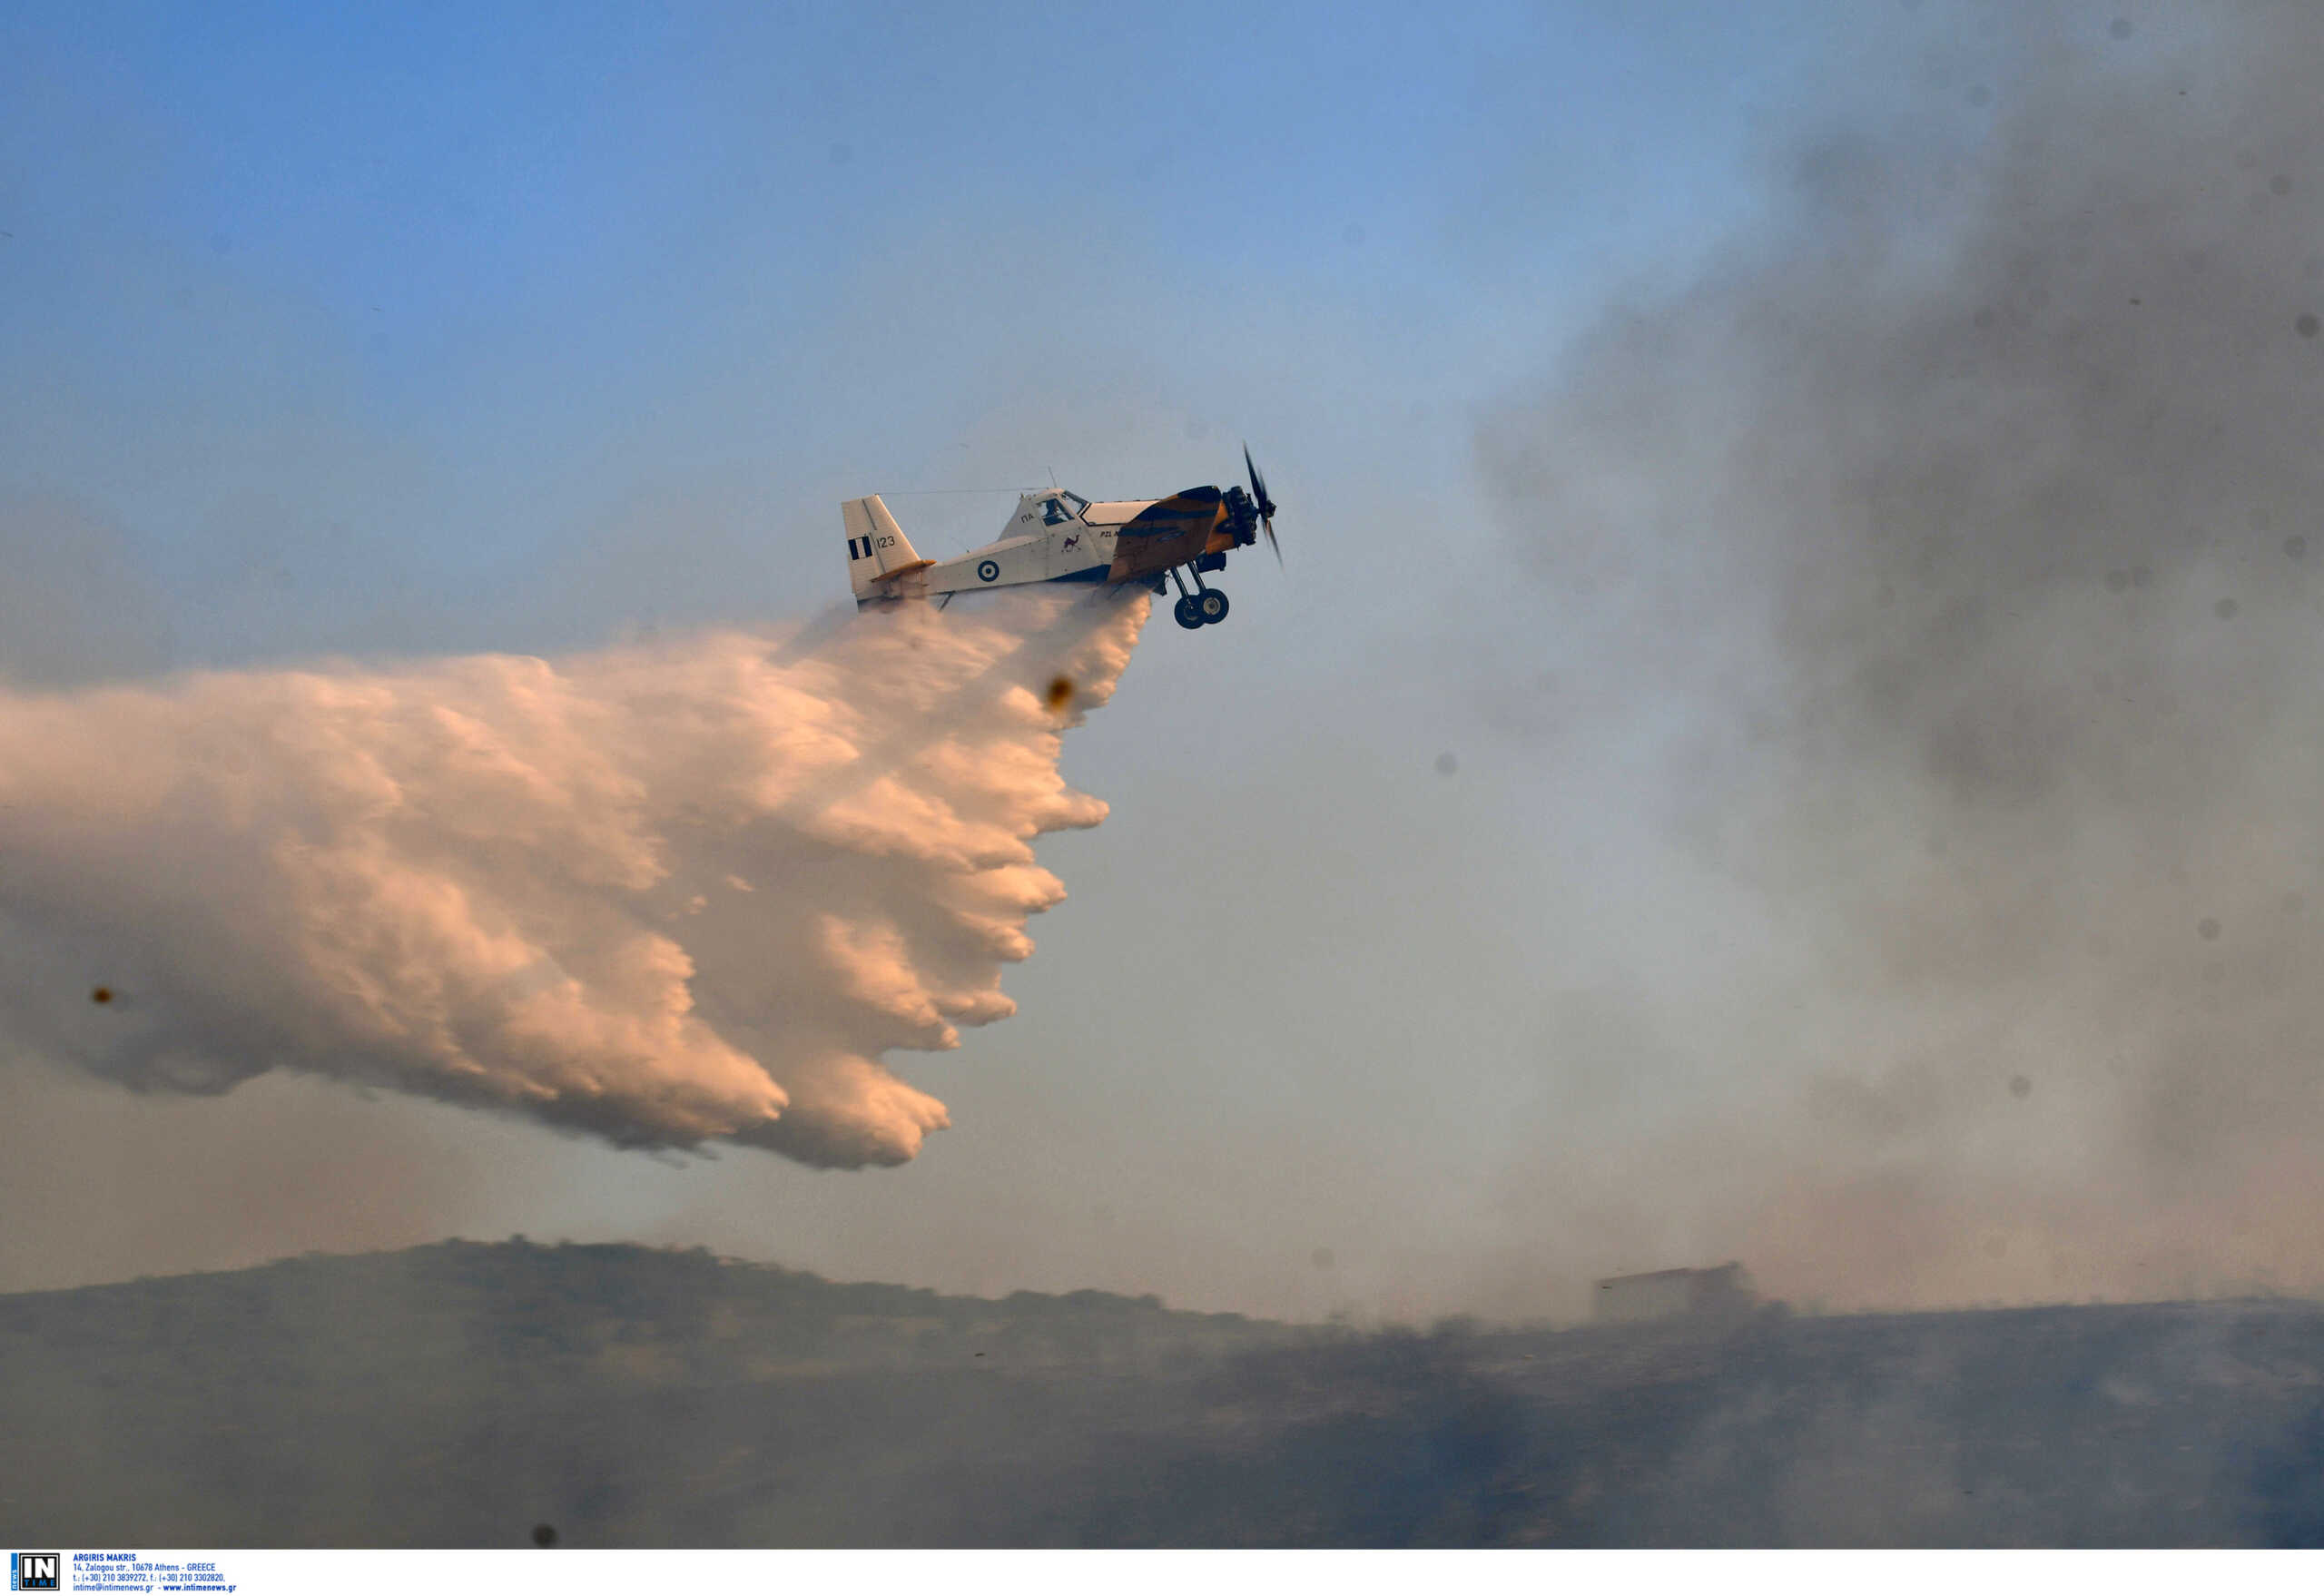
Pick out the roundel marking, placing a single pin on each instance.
(988, 570)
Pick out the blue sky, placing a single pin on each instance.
(422, 299)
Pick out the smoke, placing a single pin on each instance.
(663, 894)
(1954, 543)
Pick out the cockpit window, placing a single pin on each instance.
(1054, 512)
(1075, 502)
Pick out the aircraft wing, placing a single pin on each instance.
(1166, 532)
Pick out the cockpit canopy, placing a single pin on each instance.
(1052, 507)
(1059, 506)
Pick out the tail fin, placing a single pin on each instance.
(877, 549)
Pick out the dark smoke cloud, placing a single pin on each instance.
(1963, 526)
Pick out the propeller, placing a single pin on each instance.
(1267, 506)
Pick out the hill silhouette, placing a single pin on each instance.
(468, 1393)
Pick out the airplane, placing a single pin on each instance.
(1061, 537)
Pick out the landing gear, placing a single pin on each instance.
(1203, 607)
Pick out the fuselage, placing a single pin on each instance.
(1059, 536)
(1052, 538)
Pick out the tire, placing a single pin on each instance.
(1189, 615)
(1211, 605)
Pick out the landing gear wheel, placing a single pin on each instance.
(1211, 605)
(1189, 615)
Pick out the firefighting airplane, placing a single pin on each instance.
(1061, 537)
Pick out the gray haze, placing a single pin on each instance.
(1958, 533)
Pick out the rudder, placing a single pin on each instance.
(876, 547)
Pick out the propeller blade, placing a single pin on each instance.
(1265, 505)
(1258, 484)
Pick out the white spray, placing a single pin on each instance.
(663, 894)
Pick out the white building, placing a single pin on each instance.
(1674, 1294)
